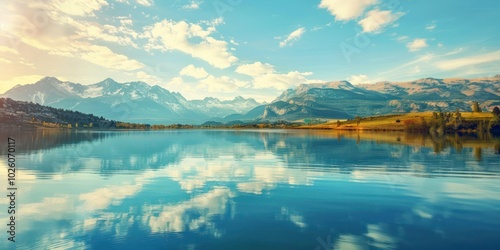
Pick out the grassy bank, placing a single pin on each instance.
(464, 122)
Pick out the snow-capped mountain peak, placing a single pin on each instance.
(131, 101)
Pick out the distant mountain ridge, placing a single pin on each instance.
(131, 102)
(435, 89)
(342, 100)
(141, 103)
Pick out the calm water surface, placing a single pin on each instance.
(195, 189)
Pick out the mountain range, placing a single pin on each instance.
(341, 99)
(141, 103)
(135, 102)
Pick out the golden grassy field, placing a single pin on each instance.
(412, 139)
(390, 122)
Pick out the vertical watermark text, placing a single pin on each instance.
(11, 188)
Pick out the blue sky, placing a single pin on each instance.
(225, 48)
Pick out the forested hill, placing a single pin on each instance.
(27, 114)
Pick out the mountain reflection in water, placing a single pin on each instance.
(248, 189)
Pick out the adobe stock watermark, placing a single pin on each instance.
(223, 6)
(122, 111)
(394, 181)
(24, 27)
(11, 189)
(327, 243)
(360, 41)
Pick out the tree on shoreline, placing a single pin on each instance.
(496, 111)
(358, 120)
(476, 108)
(458, 119)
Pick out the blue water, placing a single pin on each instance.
(263, 189)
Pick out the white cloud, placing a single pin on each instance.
(265, 76)
(417, 44)
(71, 7)
(91, 31)
(59, 207)
(376, 20)
(180, 217)
(177, 81)
(13, 81)
(255, 178)
(192, 71)
(3, 60)
(477, 64)
(358, 79)
(255, 69)
(396, 72)
(455, 51)
(221, 84)
(103, 56)
(67, 46)
(126, 22)
(8, 50)
(379, 238)
(191, 39)
(345, 10)
(203, 84)
(76, 29)
(74, 38)
(281, 81)
(293, 217)
(431, 26)
(233, 42)
(178, 84)
(469, 61)
(213, 22)
(193, 5)
(469, 191)
(102, 198)
(293, 37)
(402, 38)
(145, 77)
(254, 187)
(145, 2)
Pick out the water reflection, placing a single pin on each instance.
(42, 139)
(192, 215)
(268, 189)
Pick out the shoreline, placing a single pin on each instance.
(418, 123)
(301, 128)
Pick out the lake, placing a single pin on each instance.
(251, 189)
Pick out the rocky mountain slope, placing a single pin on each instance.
(341, 100)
